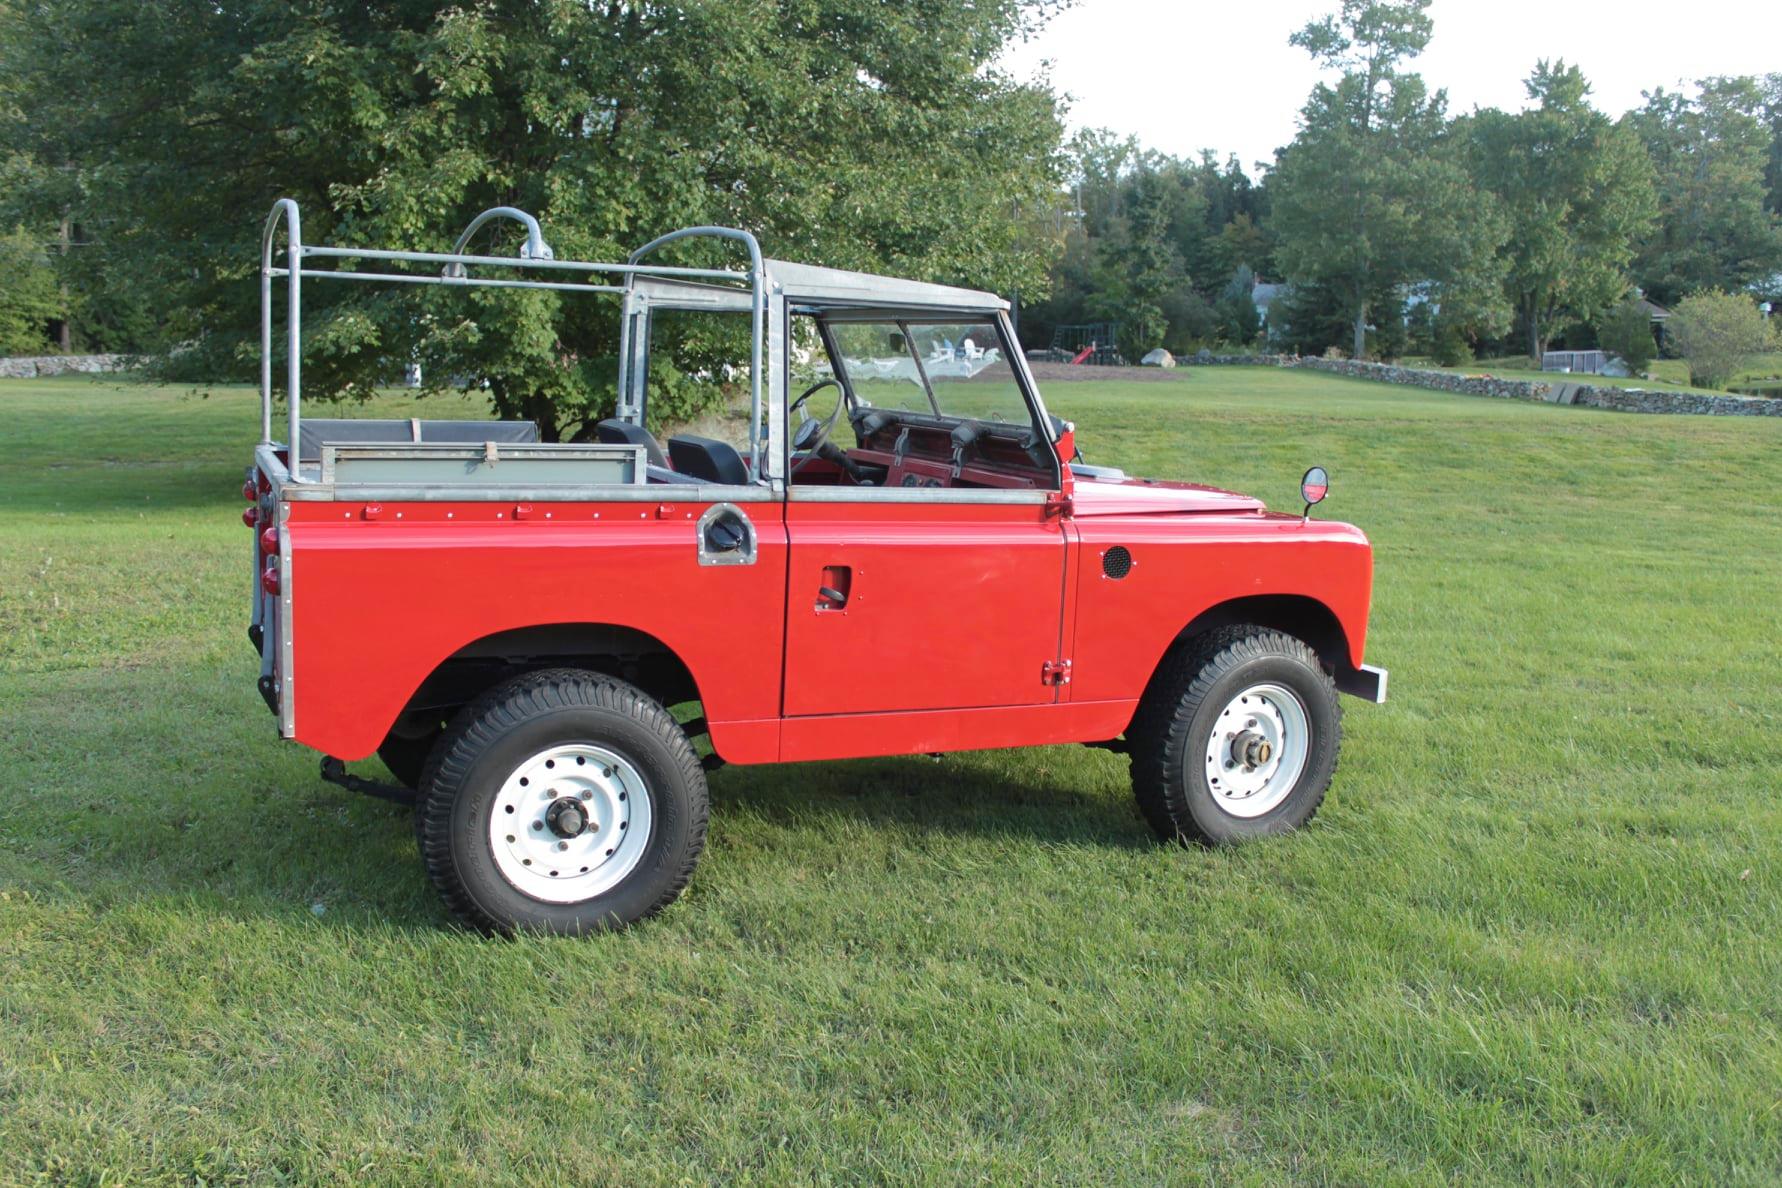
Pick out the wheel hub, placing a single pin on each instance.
(570, 823)
(566, 817)
(1251, 750)
(1258, 748)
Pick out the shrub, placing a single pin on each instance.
(1718, 333)
(1451, 349)
(1626, 330)
(29, 297)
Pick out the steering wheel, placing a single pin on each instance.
(813, 432)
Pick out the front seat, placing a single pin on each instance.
(613, 431)
(709, 460)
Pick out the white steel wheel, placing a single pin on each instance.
(570, 823)
(1236, 739)
(1257, 750)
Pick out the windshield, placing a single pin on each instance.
(952, 369)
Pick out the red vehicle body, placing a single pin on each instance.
(973, 582)
(394, 593)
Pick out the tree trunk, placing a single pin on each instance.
(1534, 337)
(1360, 331)
(64, 328)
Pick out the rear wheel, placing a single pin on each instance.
(1237, 738)
(564, 802)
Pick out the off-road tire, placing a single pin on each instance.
(493, 735)
(1176, 718)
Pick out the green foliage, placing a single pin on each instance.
(1449, 344)
(29, 296)
(1373, 193)
(1577, 194)
(1152, 241)
(1718, 333)
(848, 132)
(1710, 153)
(1239, 323)
(1626, 330)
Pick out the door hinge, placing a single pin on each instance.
(1057, 504)
(1055, 672)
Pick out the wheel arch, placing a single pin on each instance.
(1299, 615)
(614, 649)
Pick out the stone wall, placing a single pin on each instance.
(31, 367)
(1556, 391)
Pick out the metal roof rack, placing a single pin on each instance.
(535, 254)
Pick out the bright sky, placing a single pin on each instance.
(1183, 76)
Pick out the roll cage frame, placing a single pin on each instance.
(770, 292)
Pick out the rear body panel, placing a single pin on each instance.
(381, 602)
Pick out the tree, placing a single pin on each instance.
(1626, 330)
(848, 132)
(1372, 193)
(1577, 193)
(1772, 114)
(1710, 153)
(29, 297)
(1718, 333)
(1239, 323)
(1150, 240)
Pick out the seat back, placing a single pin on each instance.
(613, 431)
(708, 459)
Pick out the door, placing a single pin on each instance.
(951, 601)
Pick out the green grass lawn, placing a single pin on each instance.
(1534, 934)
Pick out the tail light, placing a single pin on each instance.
(269, 579)
(269, 542)
(248, 491)
(250, 516)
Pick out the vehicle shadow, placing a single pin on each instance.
(1051, 795)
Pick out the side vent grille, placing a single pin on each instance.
(1116, 562)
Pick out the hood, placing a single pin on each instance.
(1127, 497)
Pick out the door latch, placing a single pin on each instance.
(1055, 672)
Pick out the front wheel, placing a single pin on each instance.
(563, 802)
(1236, 738)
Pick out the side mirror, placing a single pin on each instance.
(1314, 487)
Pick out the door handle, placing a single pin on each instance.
(834, 587)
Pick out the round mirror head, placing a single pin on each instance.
(1314, 486)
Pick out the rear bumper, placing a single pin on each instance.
(1366, 682)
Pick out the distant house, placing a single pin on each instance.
(1265, 295)
(1658, 313)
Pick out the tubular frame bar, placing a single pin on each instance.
(455, 282)
(535, 248)
(293, 311)
(757, 319)
(535, 254)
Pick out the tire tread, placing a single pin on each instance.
(1158, 736)
(484, 721)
